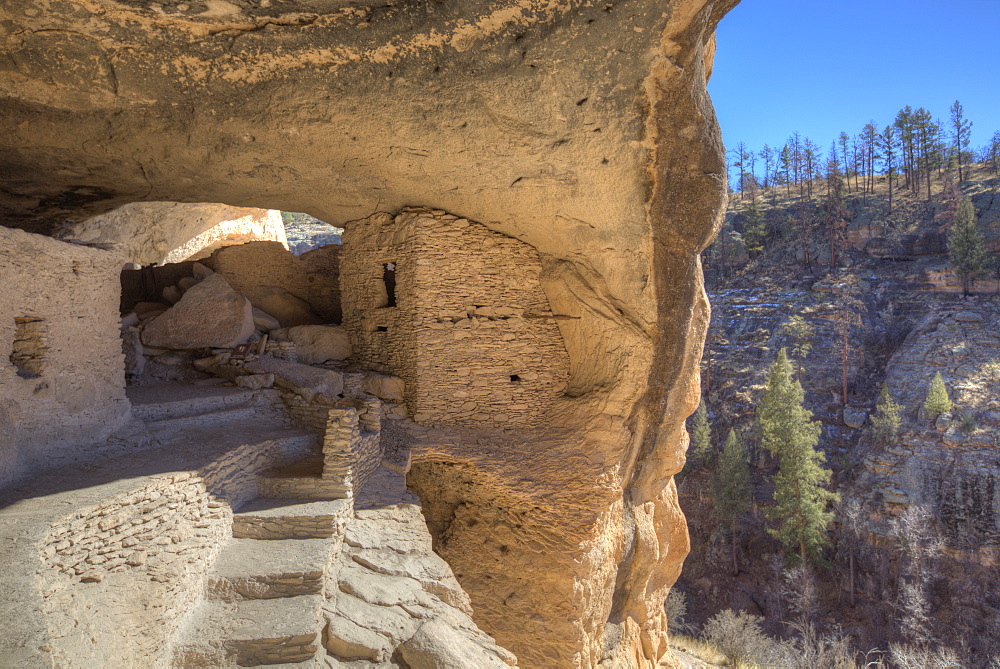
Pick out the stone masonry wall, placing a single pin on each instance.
(472, 333)
(352, 445)
(140, 557)
(312, 277)
(62, 371)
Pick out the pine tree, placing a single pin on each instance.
(767, 154)
(731, 491)
(784, 173)
(966, 248)
(754, 232)
(886, 420)
(961, 129)
(701, 437)
(888, 144)
(789, 432)
(937, 401)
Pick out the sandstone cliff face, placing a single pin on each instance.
(580, 128)
(168, 232)
(948, 464)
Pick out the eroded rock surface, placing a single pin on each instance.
(166, 232)
(209, 314)
(580, 128)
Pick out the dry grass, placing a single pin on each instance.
(700, 649)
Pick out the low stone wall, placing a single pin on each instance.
(352, 447)
(62, 370)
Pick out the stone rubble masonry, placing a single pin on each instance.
(312, 277)
(352, 447)
(471, 333)
(62, 370)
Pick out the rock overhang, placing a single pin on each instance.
(580, 128)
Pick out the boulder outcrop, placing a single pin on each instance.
(210, 314)
(582, 129)
(168, 232)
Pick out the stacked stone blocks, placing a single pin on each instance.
(457, 311)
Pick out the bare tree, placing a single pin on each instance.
(920, 546)
(847, 319)
(851, 518)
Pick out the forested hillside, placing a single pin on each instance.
(843, 466)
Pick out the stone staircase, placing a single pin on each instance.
(264, 595)
(172, 410)
(328, 560)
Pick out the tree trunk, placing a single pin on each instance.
(890, 191)
(843, 361)
(708, 362)
(851, 559)
(736, 567)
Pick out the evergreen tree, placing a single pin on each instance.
(754, 231)
(990, 153)
(767, 154)
(731, 492)
(886, 420)
(789, 432)
(844, 142)
(937, 401)
(701, 437)
(888, 144)
(961, 129)
(966, 248)
(835, 215)
(784, 174)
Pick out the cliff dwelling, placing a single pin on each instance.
(448, 441)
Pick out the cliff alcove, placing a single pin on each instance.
(577, 132)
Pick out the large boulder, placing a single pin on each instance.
(316, 343)
(302, 379)
(437, 645)
(209, 315)
(384, 386)
(287, 309)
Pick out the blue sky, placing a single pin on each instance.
(822, 66)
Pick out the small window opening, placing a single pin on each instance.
(514, 378)
(30, 353)
(389, 277)
(381, 328)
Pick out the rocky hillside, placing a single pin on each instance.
(306, 233)
(906, 319)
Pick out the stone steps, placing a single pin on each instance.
(302, 487)
(174, 400)
(263, 595)
(303, 480)
(251, 632)
(271, 519)
(208, 418)
(252, 569)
